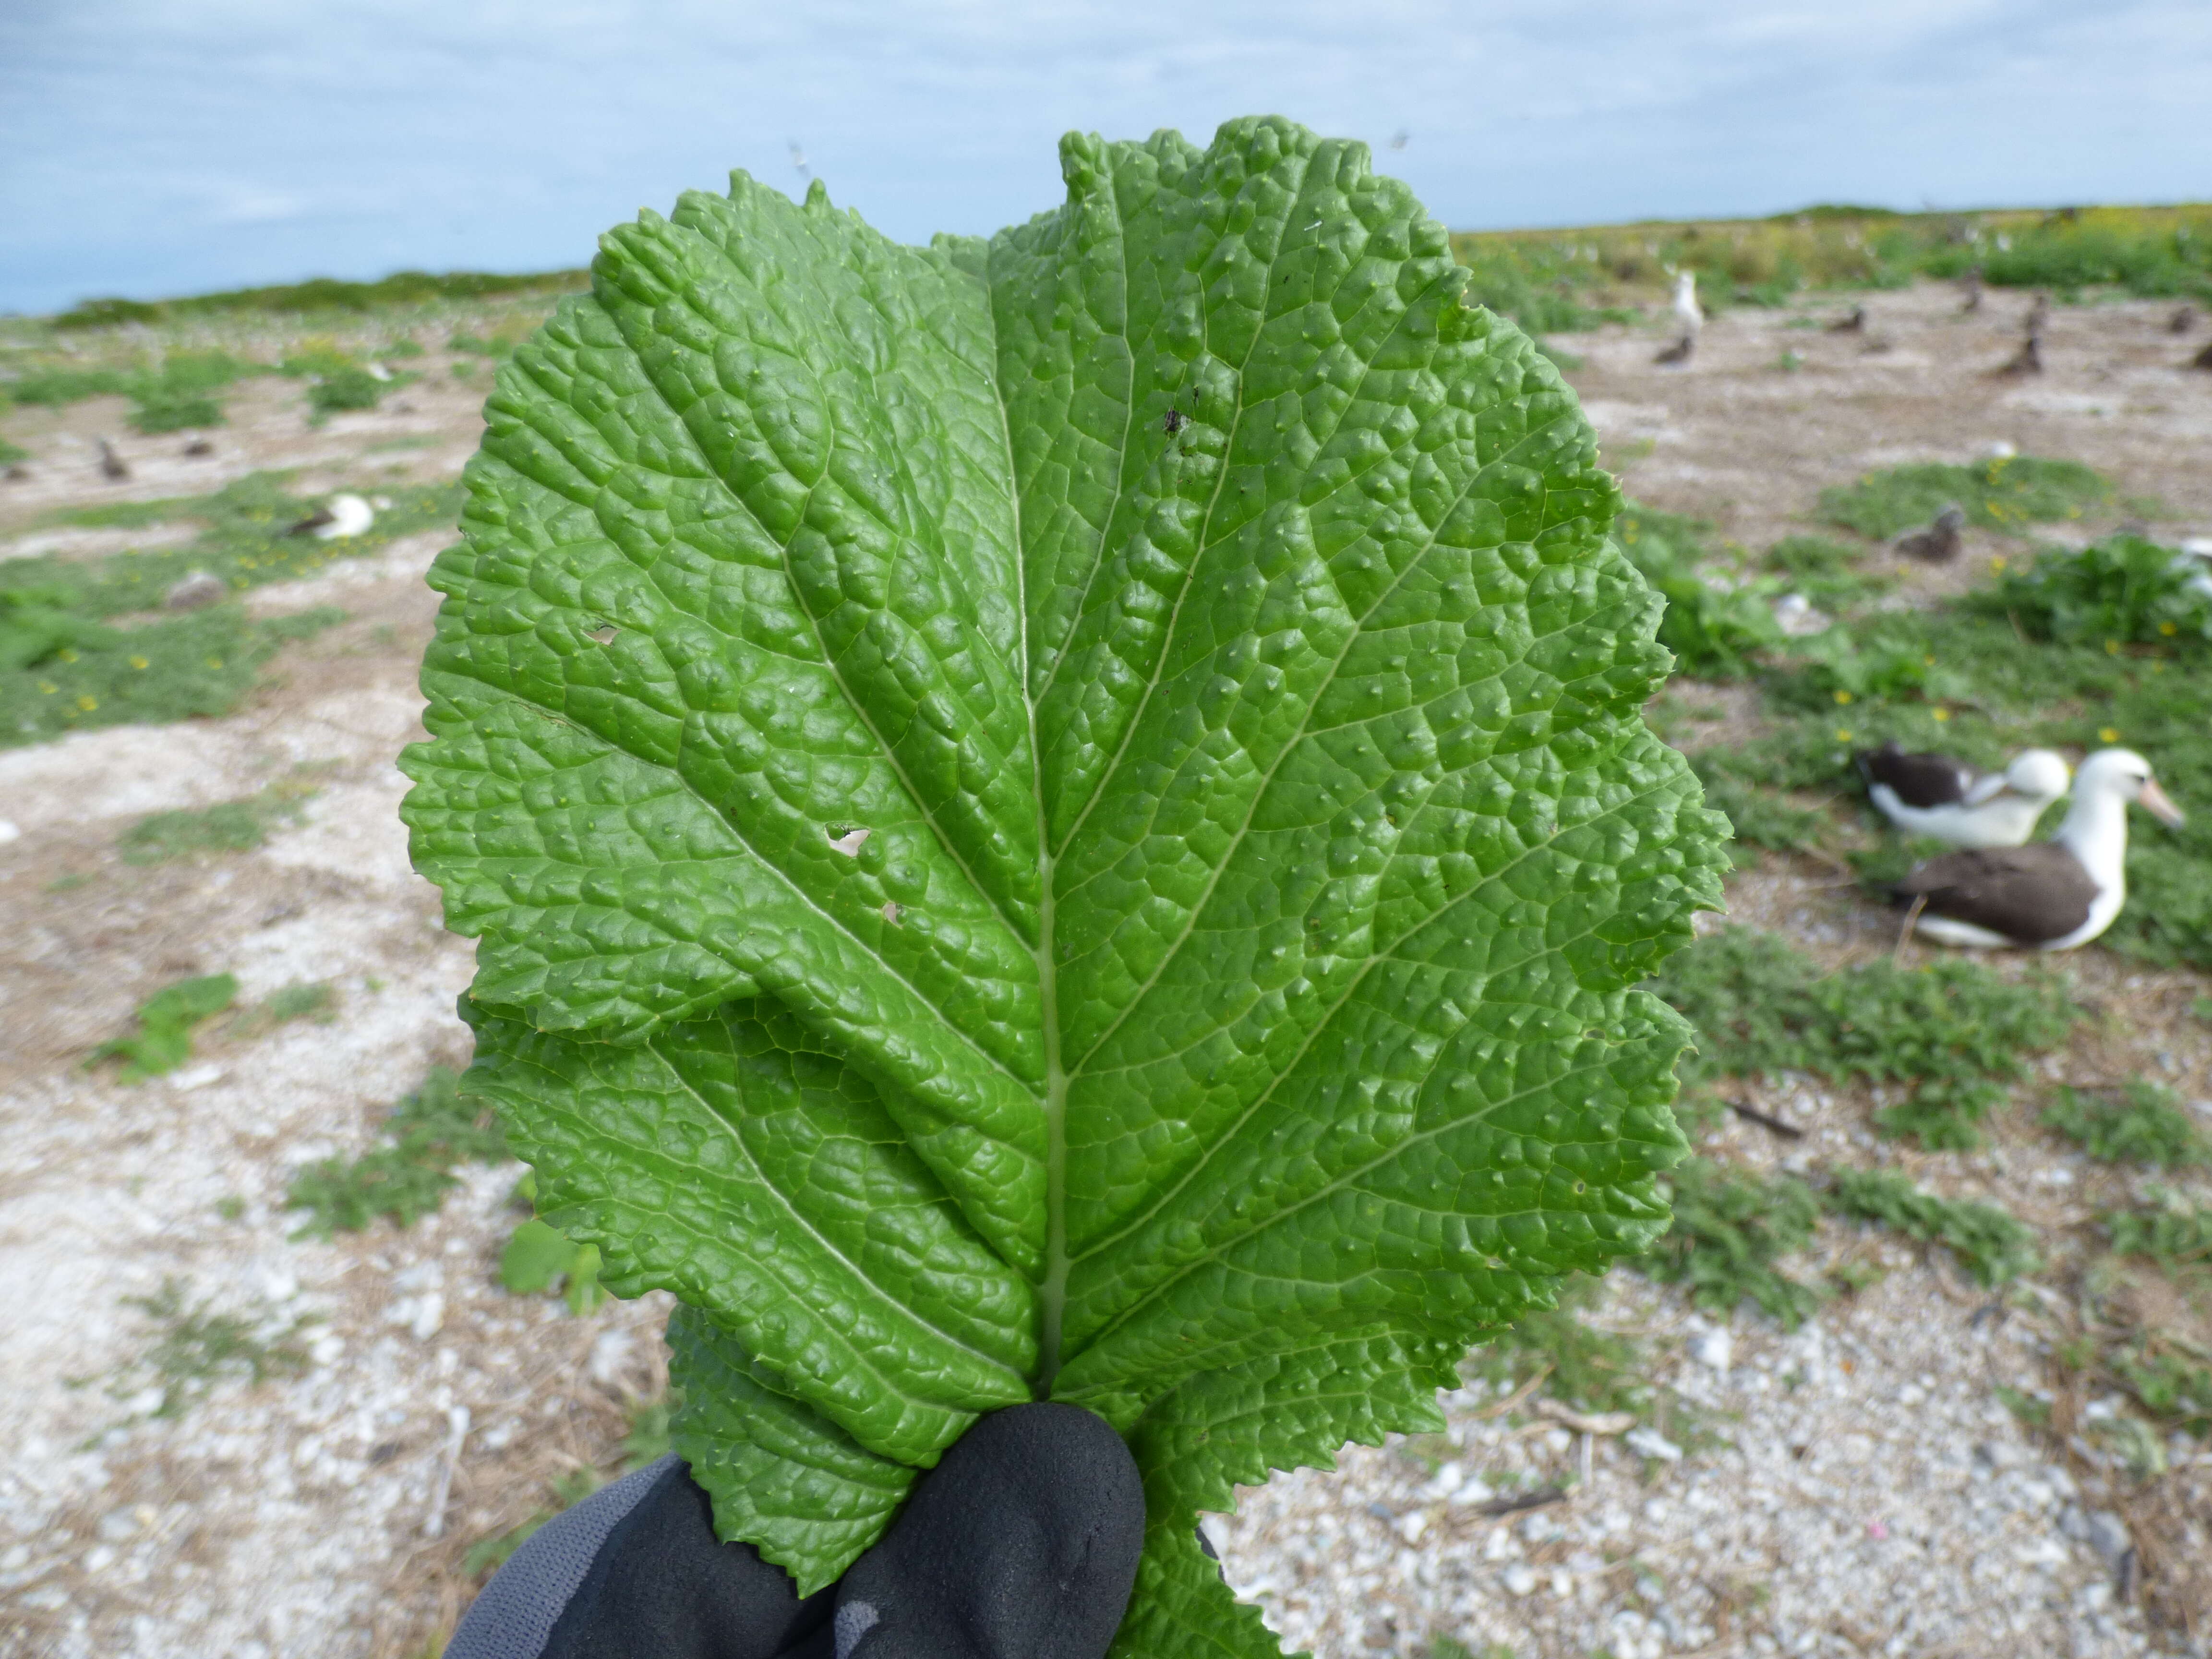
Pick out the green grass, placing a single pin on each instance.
(2170, 1381)
(1826, 572)
(1951, 1033)
(1761, 817)
(195, 1348)
(1729, 1230)
(1567, 279)
(325, 295)
(2145, 1125)
(429, 1134)
(65, 667)
(1992, 1244)
(231, 826)
(2006, 495)
(1591, 1368)
(2168, 1230)
(163, 1041)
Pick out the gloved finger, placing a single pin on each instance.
(634, 1572)
(1021, 1544)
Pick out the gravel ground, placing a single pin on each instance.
(1850, 1488)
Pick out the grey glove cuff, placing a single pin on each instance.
(516, 1612)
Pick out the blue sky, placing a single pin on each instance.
(157, 147)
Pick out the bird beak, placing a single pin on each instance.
(2156, 802)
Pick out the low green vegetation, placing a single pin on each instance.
(87, 642)
(540, 1257)
(1761, 817)
(1557, 280)
(430, 1133)
(1993, 1245)
(1729, 1230)
(195, 1348)
(2005, 495)
(1573, 1360)
(1951, 1037)
(231, 826)
(2139, 1123)
(163, 1041)
(1716, 631)
(2169, 1229)
(325, 295)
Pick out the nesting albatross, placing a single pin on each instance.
(2052, 895)
(1936, 795)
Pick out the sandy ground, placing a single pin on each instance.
(1850, 1489)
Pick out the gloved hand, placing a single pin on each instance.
(1021, 1544)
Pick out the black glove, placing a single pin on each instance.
(1021, 1544)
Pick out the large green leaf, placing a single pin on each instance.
(1059, 817)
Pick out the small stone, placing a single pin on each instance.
(2107, 1535)
(429, 1316)
(1715, 1348)
(1520, 1578)
(196, 592)
(1446, 1481)
(9, 832)
(1649, 1443)
(1412, 1524)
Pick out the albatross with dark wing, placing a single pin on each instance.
(1935, 795)
(2050, 895)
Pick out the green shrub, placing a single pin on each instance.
(1991, 1243)
(345, 389)
(161, 411)
(2123, 590)
(2004, 495)
(1716, 632)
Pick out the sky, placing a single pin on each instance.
(151, 147)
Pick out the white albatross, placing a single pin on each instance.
(1948, 801)
(2052, 895)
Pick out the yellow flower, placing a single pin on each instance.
(1997, 564)
(1842, 734)
(2108, 734)
(48, 687)
(1842, 697)
(1941, 713)
(2168, 628)
(1929, 660)
(215, 662)
(140, 662)
(2112, 648)
(88, 703)
(66, 654)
